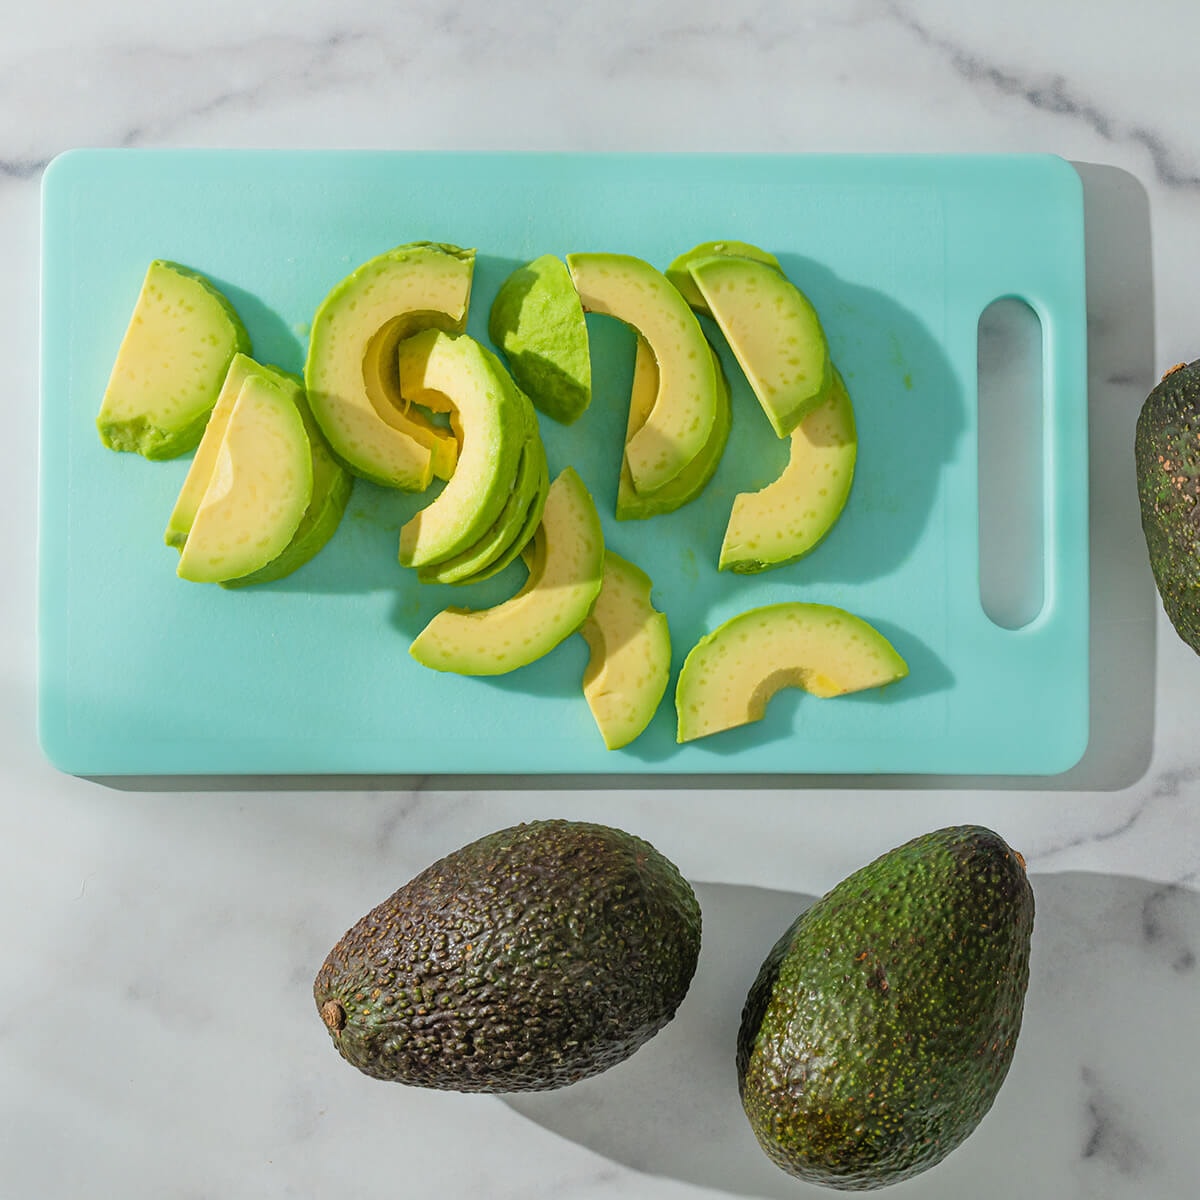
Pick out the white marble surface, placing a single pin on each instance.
(157, 1035)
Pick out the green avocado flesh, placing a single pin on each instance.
(537, 321)
(774, 332)
(566, 571)
(171, 364)
(730, 675)
(494, 416)
(511, 530)
(350, 371)
(882, 1024)
(788, 518)
(1167, 459)
(260, 489)
(680, 271)
(527, 960)
(332, 485)
(633, 505)
(331, 482)
(681, 419)
(629, 664)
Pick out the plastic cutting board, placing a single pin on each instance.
(142, 673)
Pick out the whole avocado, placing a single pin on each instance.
(529, 959)
(882, 1024)
(1167, 455)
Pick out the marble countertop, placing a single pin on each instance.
(157, 1033)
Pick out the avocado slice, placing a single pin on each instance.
(633, 505)
(566, 561)
(537, 321)
(730, 675)
(882, 1024)
(685, 408)
(350, 371)
(526, 534)
(1167, 460)
(680, 271)
(774, 332)
(529, 959)
(501, 542)
(260, 488)
(171, 364)
(630, 661)
(494, 416)
(789, 517)
(331, 485)
(200, 471)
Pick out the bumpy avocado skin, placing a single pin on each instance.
(1167, 454)
(882, 1024)
(529, 959)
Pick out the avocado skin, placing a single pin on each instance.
(882, 1024)
(529, 959)
(1167, 455)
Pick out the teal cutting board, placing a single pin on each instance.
(142, 673)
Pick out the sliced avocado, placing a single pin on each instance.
(537, 321)
(331, 489)
(350, 372)
(494, 415)
(531, 482)
(787, 518)
(526, 534)
(680, 274)
(681, 420)
(731, 674)
(173, 359)
(773, 331)
(630, 661)
(566, 570)
(1167, 462)
(260, 487)
(534, 957)
(633, 505)
(881, 1026)
(200, 471)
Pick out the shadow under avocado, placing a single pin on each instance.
(273, 341)
(1090, 1095)
(910, 414)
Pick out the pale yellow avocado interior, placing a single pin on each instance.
(774, 332)
(633, 505)
(566, 567)
(260, 486)
(625, 287)
(171, 363)
(352, 350)
(495, 419)
(200, 471)
(790, 516)
(730, 675)
(630, 661)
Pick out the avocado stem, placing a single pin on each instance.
(334, 1015)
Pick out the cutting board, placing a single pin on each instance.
(143, 673)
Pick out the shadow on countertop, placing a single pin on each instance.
(1081, 1112)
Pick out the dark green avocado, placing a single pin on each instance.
(1167, 455)
(882, 1024)
(527, 960)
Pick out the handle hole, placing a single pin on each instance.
(1011, 483)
